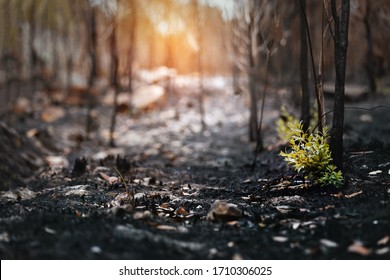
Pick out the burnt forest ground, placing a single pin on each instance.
(62, 197)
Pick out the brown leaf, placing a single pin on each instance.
(223, 211)
(327, 207)
(181, 211)
(353, 194)
(109, 179)
(166, 228)
(338, 195)
(358, 248)
(52, 114)
(165, 205)
(233, 223)
(384, 240)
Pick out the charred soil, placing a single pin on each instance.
(67, 199)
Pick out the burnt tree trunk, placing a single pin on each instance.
(304, 71)
(92, 45)
(369, 65)
(114, 82)
(253, 123)
(340, 55)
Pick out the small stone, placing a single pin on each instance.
(96, 250)
(4, 237)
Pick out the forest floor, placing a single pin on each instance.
(187, 194)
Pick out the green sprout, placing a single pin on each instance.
(130, 194)
(310, 154)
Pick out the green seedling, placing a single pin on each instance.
(130, 194)
(310, 154)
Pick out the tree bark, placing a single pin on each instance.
(114, 80)
(340, 55)
(369, 65)
(92, 46)
(253, 123)
(304, 71)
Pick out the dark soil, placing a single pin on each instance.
(68, 209)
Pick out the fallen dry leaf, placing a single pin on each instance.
(52, 114)
(358, 248)
(247, 181)
(142, 215)
(353, 194)
(181, 211)
(328, 243)
(295, 225)
(32, 133)
(109, 179)
(81, 192)
(384, 240)
(338, 195)
(326, 207)
(284, 209)
(382, 251)
(166, 228)
(262, 225)
(164, 205)
(280, 238)
(50, 231)
(57, 161)
(224, 211)
(233, 223)
(376, 172)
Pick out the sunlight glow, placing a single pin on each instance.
(171, 26)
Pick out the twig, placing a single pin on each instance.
(355, 108)
(317, 85)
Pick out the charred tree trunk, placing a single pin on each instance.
(92, 45)
(370, 60)
(114, 82)
(340, 55)
(304, 71)
(253, 123)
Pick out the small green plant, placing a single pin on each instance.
(130, 194)
(310, 154)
